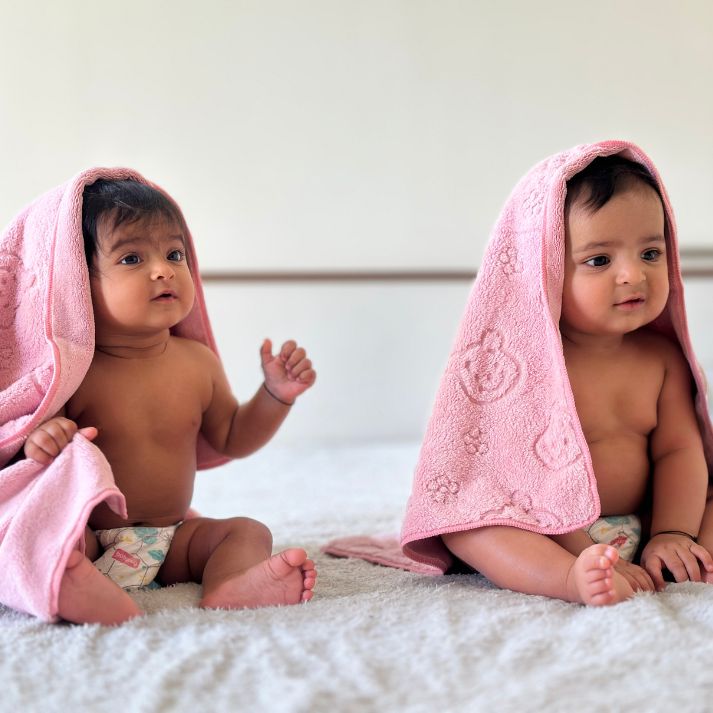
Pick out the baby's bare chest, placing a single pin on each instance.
(617, 396)
(143, 400)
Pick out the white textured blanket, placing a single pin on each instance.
(374, 638)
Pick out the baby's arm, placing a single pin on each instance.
(47, 441)
(238, 431)
(680, 478)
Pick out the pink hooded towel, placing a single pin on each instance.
(504, 444)
(46, 347)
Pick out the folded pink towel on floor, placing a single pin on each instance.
(379, 549)
(504, 445)
(46, 347)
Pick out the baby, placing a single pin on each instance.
(144, 401)
(632, 390)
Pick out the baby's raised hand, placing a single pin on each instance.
(679, 554)
(47, 441)
(287, 374)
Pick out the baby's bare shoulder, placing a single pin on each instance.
(194, 350)
(657, 346)
(657, 354)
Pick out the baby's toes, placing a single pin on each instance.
(603, 598)
(597, 574)
(600, 557)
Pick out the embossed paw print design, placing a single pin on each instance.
(442, 489)
(509, 260)
(476, 441)
(518, 506)
(534, 201)
(485, 371)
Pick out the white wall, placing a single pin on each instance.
(379, 349)
(331, 134)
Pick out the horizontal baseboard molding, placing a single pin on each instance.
(695, 263)
(340, 276)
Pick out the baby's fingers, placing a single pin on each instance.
(307, 377)
(300, 368)
(47, 442)
(296, 357)
(683, 566)
(643, 580)
(89, 432)
(654, 567)
(266, 351)
(703, 555)
(287, 348)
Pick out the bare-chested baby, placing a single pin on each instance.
(632, 390)
(144, 401)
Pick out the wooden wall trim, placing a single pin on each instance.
(696, 263)
(340, 276)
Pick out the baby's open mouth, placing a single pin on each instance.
(165, 297)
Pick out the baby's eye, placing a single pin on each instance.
(130, 260)
(597, 261)
(176, 256)
(651, 255)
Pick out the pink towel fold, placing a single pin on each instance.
(504, 445)
(46, 347)
(379, 549)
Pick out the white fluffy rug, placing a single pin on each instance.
(373, 639)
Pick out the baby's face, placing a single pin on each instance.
(616, 273)
(140, 282)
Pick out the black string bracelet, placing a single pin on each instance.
(286, 403)
(676, 532)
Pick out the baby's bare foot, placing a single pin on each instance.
(593, 579)
(285, 578)
(86, 596)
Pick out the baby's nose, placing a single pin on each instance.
(161, 269)
(630, 273)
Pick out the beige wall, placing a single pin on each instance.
(380, 349)
(332, 134)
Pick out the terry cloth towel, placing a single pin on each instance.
(504, 444)
(46, 347)
(379, 549)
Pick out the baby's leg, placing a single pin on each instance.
(533, 564)
(233, 560)
(86, 596)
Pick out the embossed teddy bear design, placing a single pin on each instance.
(485, 371)
(557, 445)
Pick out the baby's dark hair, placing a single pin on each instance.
(604, 177)
(124, 201)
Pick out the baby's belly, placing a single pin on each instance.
(622, 468)
(158, 487)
